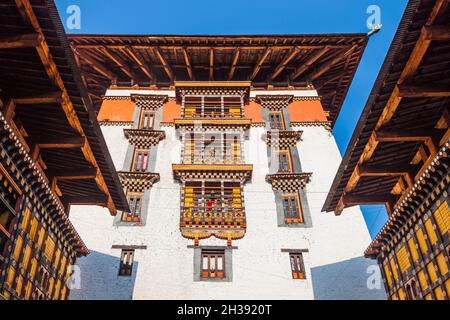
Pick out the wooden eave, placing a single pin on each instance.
(328, 62)
(242, 172)
(45, 102)
(403, 124)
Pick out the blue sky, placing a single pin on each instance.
(258, 17)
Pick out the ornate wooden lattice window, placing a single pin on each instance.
(213, 264)
(126, 262)
(284, 161)
(147, 120)
(212, 107)
(292, 208)
(140, 163)
(212, 148)
(212, 200)
(297, 265)
(411, 290)
(135, 203)
(276, 120)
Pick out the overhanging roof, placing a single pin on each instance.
(327, 61)
(401, 116)
(52, 107)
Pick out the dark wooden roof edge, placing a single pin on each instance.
(395, 48)
(234, 36)
(117, 193)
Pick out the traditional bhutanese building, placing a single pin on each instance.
(224, 148)
(52, 154)
(399, 157)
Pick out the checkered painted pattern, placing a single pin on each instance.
(202, 174)
(138, 181)
(142, 138)
(149, 102)
(274, 102)
(288, 182)
(283, 139)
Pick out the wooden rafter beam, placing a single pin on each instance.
(305, 66)
(117, 60)
(348, 200)
(211, 64)
(237, 52)
(354, 200)
(437, 33)
(97, 66)
(56, 142)
(292, 53)
(188, 64)
(44, 98)
(165, 64)
(30, 40)
(259, 64)
(382, 171)
(406, 135)
(424, 91)
(330, 63)
(27, 14)
(74, 173)
(140, 62)
(85, 200)
(413, 63)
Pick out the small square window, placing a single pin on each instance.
(141, 160)
(213, 264)
(126, 262)
(135, 203)
(147, 120)
(292, 208)
(297, 266)
(284, 161)
(276, 120)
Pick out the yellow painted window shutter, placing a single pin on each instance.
(422, 280)
(442, 264)
(421, 240)
(393, 268)
(11, 274)
(442, 217)
(18, 248)
(26, 257)
(388, 275)
(401, 294)
(413, 250)
(26, 218)
(19, 284)
(430, 231)
(432, 272)
(49, 248)
(34, 226)
(439, 294)
(403, 259)
(33, 267)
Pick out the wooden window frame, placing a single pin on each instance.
(281, 123)
(297, 265)
(133, 216)
(215, 272)
(152, 117)
(285, 153)
(126, 262)
(143, 153)
(291, 218)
